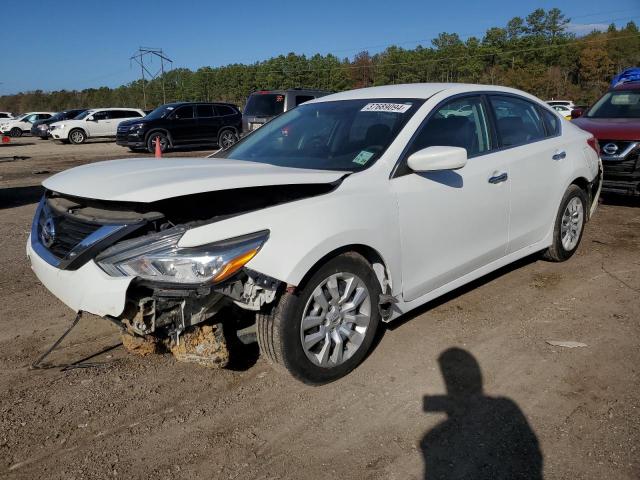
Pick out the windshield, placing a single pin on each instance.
(620, 104)
(346, 135)
(84, 114)
(264, 105)
(160, 112)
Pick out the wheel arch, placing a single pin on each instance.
(83, 130)
(370, 254)
(587, 187)
(164, 131)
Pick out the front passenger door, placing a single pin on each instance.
(456, 221)
(99, 125)
(183, 125)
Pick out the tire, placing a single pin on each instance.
(280, 333)
(227, 139)
(15, 132)
(77, 136)
(569, 225)
(151, 144)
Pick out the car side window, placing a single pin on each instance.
(224, 110)
(303, 98)
(184, 112)
(43, 116)
(205, 111)
(517, 120)
(131, 114)
(104, 115)
(462, 122)
(551, 122)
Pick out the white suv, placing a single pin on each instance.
(94, 123)
(345, 212)
(17, 126)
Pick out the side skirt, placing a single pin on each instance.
(401, 307)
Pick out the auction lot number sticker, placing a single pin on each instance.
(386, 107)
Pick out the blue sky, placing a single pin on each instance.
(69, 44)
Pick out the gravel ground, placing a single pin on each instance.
(553, 412)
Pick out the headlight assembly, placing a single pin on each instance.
(157, 257)
(137, 126)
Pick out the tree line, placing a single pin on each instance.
(537, 54)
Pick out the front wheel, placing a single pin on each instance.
(77, 136)
(325, 329)
(157, 136)
(569, 225)
(15, 132)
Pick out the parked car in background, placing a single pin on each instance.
(563, 110)
(561, 103)
(6, 116)
(93, 123)
(329, 220)
(18, 126)
(40, 128)
(615, 121)
(264, 105)
(183, 124)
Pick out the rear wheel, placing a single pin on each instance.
(15, 132)
(569, 225)
(324, 330)
(227, 139)
(77, 136)
(162, 138)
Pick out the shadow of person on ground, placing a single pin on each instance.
(483, 437)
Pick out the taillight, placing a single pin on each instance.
(593, 143)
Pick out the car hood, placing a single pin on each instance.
(149, 180)
(610, 128)
(133, 121)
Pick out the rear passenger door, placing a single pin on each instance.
(208, 123)
(530, 144)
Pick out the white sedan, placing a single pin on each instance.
(345, 212)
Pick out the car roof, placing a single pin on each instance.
(627, 86)
(113, 108)
(415, 90)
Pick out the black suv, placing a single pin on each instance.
(40, 128)
(183, 124)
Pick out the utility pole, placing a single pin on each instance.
(143, 57)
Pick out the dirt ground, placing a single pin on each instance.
(562, 413)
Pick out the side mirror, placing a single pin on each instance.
(91, 119)
(437, 158)
(577, 112)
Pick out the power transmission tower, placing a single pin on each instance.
(143, 57)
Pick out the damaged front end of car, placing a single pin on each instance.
(187, 300)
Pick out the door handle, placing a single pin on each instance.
(559, 155)
(501, 177)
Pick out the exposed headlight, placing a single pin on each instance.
(43, 127)
(60, 126)
(137, 126)
(157, 257)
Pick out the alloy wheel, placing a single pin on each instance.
(572, 223)
(227, 139)
(335, 319)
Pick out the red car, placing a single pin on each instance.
(615, 121)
